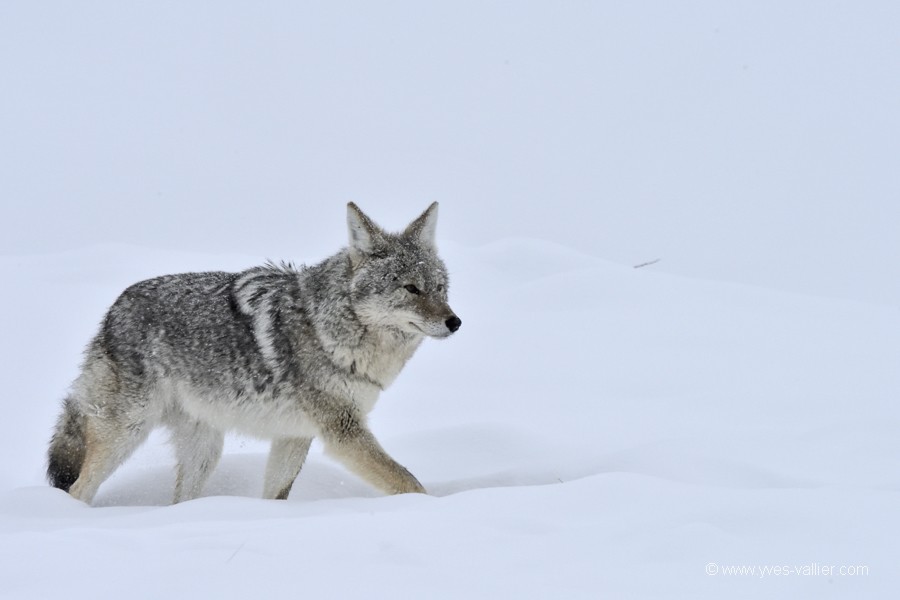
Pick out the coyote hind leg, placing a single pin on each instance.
(108, 444)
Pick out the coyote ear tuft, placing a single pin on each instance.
(423, 228)
(364, 233)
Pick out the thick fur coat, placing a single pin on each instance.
(278, 352)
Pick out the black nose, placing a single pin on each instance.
(453, 323)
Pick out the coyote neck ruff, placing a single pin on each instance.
(279, 352)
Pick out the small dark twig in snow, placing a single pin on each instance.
(233, 554)
(647, 264)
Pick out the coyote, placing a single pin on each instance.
(279, 352)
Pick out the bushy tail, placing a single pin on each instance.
(67, 447)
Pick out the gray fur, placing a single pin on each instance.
(277, 352)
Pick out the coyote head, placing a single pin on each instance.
(398, 279)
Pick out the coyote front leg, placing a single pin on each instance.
(285, 461)
(354, 445)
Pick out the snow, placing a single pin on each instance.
(594, 429)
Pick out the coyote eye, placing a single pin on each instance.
(412, 289)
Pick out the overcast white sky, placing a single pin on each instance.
(750, 141)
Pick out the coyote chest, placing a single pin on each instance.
(377, 359)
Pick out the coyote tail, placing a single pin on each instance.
(67, 447)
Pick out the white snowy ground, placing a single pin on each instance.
(594, 430)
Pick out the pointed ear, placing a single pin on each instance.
(364, 233)
(423, 228)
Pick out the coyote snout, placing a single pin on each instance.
(438, 329)
(453, 323)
